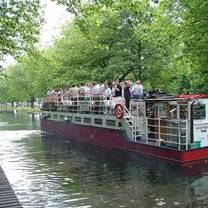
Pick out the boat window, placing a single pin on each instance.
(69, 117)
(173, 111)
(152, 110)
(110, 123)
(61, 117)
(78, 119)
(199, 111)
(98, 121)
(164, 108)
(55, 116)
(183, 111)
(87, 120)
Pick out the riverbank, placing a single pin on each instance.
(21, 109)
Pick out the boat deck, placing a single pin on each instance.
(8, 199)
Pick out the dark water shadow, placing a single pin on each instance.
(55, 146)
(159, 183)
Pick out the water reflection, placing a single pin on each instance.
(121, 181)
(48, 171)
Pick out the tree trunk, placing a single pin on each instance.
(32, 102)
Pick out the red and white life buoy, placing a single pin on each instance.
(119, 111)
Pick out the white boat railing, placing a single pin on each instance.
(169, 132)
(132, 123)
(88, 105)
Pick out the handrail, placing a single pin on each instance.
(132, 123)
(89, 105)
(176, 134)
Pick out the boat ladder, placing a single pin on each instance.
(132, 122)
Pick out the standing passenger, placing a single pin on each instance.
(106, 91)
(118, 89)
(113, 89)
(127, 93)
(137, 90)
(74, 92)
(96, 98)
(81, 91)
(87, 92)
(74, 96)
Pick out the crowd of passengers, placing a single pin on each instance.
(86, 90)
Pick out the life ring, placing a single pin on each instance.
(119, 110)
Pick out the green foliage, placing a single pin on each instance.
(164, 45)
(20, 23)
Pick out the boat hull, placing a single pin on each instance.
(113, 138)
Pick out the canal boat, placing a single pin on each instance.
(168, 128)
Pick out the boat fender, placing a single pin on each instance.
(45, 116)
(67, 119)
(119, 110)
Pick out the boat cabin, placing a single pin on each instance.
(180, 122)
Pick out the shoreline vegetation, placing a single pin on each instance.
(162, 43)
(20, 109)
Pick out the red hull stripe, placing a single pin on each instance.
(196, 96)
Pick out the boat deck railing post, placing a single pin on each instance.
(179, 135)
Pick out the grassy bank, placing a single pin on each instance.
(22, 109)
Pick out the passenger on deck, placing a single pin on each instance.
(81, 91)
(113, 89)
(106, 91)
(90, 87)
(67, 93)
(59, 92)
(127, 93)
(96, 98)
(74, 92)
(87, 92)
(96, 90)
(118, 89)
(54, 92)
(137, 90)
(49, 92)
(74, 96)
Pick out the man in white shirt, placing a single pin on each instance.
(106, 91)
(137, 90)
(87, 92)
(96, 89)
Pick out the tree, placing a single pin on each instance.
(4, 90)
(111, 27)
(191, 19)
(20, 25)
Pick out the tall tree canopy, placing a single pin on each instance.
(164, 45)
(20, 23)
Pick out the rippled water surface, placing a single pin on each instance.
(48, 171)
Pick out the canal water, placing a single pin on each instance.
(47, 171)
